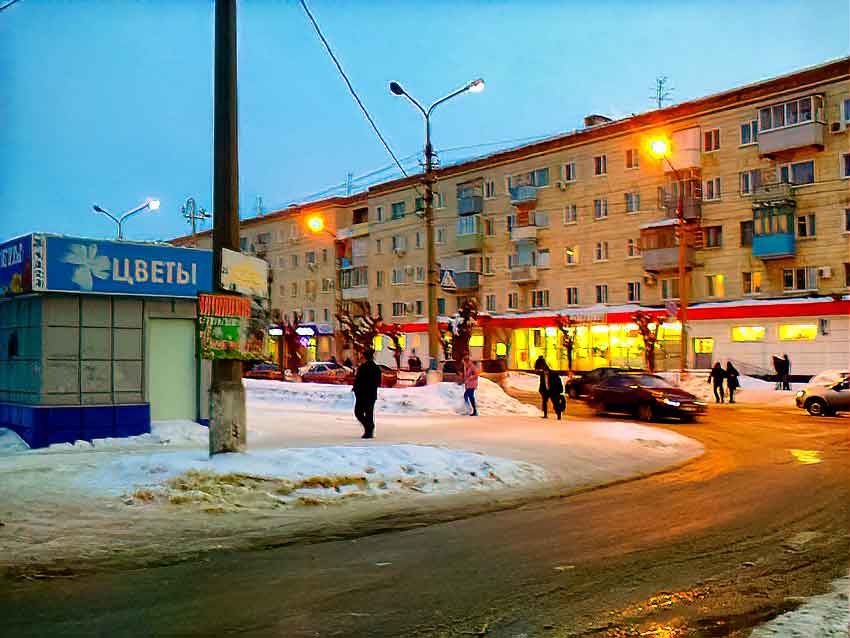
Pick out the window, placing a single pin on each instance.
(711, 140)
(539, 298)
(379, 279)
(572, 296)
(806, 225)
(398, 309)
(419, 239)
(397, 276)
(845, 165)
(420, 274)
(750, 283)
(600, 165)
(489, 227)
(311, 315)
(846, 111)
(797, 173)
(669, 289)
(632, 248)
(571, 255)
(714, 286)
(324, 255)
(379, 213)
(799, 279)
(490, 302)
(601, 253)
(379, 246)
(327, 314)
(469, 225)
(510, 220)
(399, 242)
(571, 214)
(326, 284)
(540, 219)
(847, 220)
(713, 236)
(380, 309)
(539, 178)
(489, 188)
(711, 191)
(632, 202)
(310, 257)
(543, 258)
(847, 274)
(293, 289)
(399, 209)
(790, 113)
(488, 265)
(513, 300)
(633, 290)
(440, 235)
(748, 333)
(420, 307)
(750, 181)
(568, 172)
(438, 200)
(441, 306)
(600, 209)
(632, 158)
(798, 332)
(243, 243)
(747, 233)
(294, 259)
(602, 293)
(749, 132)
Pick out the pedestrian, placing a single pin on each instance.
(556, 393)
(347, 363)
(732, 382)
(786, 372)
(413, 363)
(716, 376)
(778, 364)
(365, 389)
(333, 359)
(542, 369)
(470, 383)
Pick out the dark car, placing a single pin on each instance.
(264, 371)
(647, 396)
(582, 383)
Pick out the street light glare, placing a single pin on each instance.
(476, 86)
(153, 204)
(316, 224)
(396, 89)
(659, 147)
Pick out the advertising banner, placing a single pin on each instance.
(244, 274)
(223, 322)
(16, 266)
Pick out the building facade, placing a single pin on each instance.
(584, 224)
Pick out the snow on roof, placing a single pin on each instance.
(671, 221)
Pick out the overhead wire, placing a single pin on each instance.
(7, 5)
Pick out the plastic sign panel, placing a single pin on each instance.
(55, 263)
(223, 333)
(244, 274)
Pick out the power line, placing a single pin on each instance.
(350, 87)
(7, 5)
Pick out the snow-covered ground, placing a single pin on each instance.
(825, 616)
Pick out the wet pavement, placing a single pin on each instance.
(713, 548)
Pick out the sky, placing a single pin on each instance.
(110, 101)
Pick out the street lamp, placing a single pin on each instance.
(660, 149)
(316, 225)
(476, 86)
(153, 204)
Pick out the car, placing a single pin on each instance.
(582, 383)
(326, 372)
(389, 377)
(825, 399)
(412, 378)
(647, 396)
(264, 371)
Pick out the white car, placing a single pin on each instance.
(828, 377)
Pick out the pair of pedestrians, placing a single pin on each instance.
(718, 375)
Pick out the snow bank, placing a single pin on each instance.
(523, 381)
(436, 399)
(826, 616)
(752, 390)
(11, 443)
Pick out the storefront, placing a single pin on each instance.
(98, 337)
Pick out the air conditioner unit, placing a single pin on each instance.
(399, 251)
(311, 265)
(293, 239)
(649, 280)
(838, 127)
(562, 185)
(825, 272)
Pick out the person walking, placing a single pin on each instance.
(542, 368)
(556, 393)
(365, 389)
(470, 383)
(778, 365)
(786, 372)
(732, 382)
(414, 364)
(716, 377)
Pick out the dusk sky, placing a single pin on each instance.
(111, 102)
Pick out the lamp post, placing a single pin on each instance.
(153, 204)
(661, 149)
(316, 225)
(476, 86)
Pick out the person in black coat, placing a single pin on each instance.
(716, 377)
(542, 368)
(366, 384)
(556, 393)
(732, 382)
(786, 372)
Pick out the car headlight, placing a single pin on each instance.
(667, 401)
(801, 394)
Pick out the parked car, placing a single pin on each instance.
(411, 378)
(582, 383)
(647, 396)
(389, 377)
(264, 371)
(326, 372)
(825, 399)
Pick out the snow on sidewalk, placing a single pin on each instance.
(824, 616)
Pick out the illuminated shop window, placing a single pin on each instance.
(378, 343)
(748, 333)
(501, 350)
(798, 332)
(703, 345)
(476, 341)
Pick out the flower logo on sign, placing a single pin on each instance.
(88, 264)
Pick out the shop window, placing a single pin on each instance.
(798, 332)
(501, 349)
(748, 333)
(476, 341)
(703, 345)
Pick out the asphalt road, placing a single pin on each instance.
(710, 549)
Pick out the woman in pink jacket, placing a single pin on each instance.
(470, 382)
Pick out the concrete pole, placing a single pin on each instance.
(430, 256)
(227, 394)
(683, 281)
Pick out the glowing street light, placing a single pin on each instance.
(152, 204)
(659, 148)
(316, 223)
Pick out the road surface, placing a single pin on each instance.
(709, 549)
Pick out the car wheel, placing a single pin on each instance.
(816, 407)
(597, 407)
(687, 418)
(645, 412)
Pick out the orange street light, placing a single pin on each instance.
(659, 147)
(316, 223)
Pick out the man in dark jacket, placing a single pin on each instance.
(542, 368)
(716, 376)
(556, 392)
(366, 384)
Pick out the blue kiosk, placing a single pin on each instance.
(98, 337)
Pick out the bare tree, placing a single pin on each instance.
(292, 342)
(648, 327)
(567, 326)
(396, 335)
(359, 328)
(456, 340)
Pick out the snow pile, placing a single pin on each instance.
(11, 443)
(438, 398)
(523, 381)
(300, 475)
(752, 390)
(826, 616)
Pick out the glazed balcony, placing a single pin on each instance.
(775, 245)
(523, 194)
(355, 230)
(524, 233)
(355, 292)
(470, 205)
(666, 259)
(523, 274)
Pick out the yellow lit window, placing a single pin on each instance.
(378, 343)
(798, 332)
(703, 345)
(476, 341)
(501, 350)
(748, 333)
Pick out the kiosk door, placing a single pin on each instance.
(172, 381)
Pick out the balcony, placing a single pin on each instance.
(356, 292)
(355, 230)
(523, 274)
(665, 259)
(466, 280)
(470, 242)
(524, 233)
(470, 205)
(790, 138)
(774, 246)
(773, 195)
(523, 194)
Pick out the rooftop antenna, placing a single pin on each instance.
(348, 184)
(662, 91)
(192, 217)
(259, 205)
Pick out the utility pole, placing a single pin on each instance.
(188, 211)
(227, 394)
(683, 233)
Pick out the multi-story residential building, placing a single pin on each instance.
(585, 224)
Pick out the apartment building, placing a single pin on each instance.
(584, 224)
